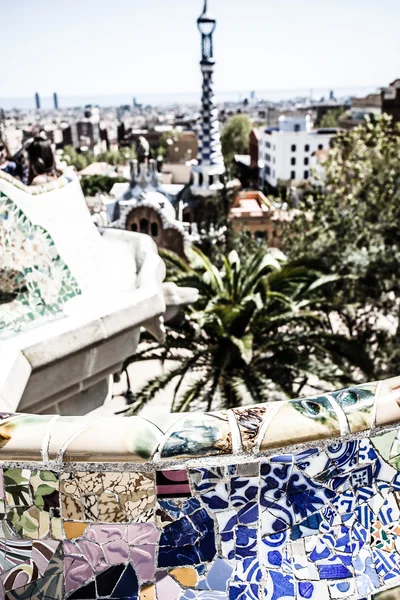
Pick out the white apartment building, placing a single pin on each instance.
(285, 152)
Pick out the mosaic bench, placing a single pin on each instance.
(296, 499)
(72, 298)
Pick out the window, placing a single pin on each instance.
(154, 229)
(133, 226)
(320, 147)
(306, 148)
(292, 174)
(305, 174)
(210, 180)
(260, 235)
(200, 179)
(267, 144)
(297, 127)
(144, 226)
(306, 161)
(293, 161)
(267, 170)
(268, 157)
(294, 148)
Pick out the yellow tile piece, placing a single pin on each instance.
(148, 593)
(185, 575)
(74, 530)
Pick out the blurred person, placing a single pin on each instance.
(6, 164)
(42, 162)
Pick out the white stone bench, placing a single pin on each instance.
(62, 362)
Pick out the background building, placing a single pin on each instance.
(391, 100)
(285, 151)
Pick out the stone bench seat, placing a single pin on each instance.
(76, 298)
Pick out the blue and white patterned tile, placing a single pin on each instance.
(367, 452)
(362, 476)
(376, 502)
(205, 480)
(274, 479)
(272, 549)
(246, 542)
(244, 591)
(279, 586)
(305, 495)
(367, 579)
(217, 498)
(303, 569)
(343, 589)
(314, 464)
(248, 570)
(334, 568)
(277, 517)
(344, 454)
(312, 590)
(248, 514)
(345, 503)
(227, 521)
(384, 562)
(383, 471)
(309, 526)
(389, 513)
(243, 490)
(359, 532)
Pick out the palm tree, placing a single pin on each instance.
(260, 331)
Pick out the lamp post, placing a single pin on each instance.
(206, 25)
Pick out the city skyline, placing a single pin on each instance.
(152, 48)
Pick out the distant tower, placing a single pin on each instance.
(55, 100)
(208, 172)
(37, 101)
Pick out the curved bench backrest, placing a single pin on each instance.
(60, 209)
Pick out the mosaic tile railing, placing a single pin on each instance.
(35, 283)
(296, 499)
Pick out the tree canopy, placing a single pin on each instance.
(351, 228)
(235, 137)
(95, 184)
(80, 160)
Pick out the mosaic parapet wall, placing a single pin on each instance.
(35, 283)
(296, 499)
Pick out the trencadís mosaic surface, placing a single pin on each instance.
(35, 283)
(297, 499)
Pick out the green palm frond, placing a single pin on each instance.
(259, 331)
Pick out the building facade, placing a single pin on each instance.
(391, 100)
(285, 151)
(144, 208)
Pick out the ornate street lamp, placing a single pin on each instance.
(206, 25)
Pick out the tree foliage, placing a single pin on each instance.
(80, 160)
(259, 332)
(352, 228)
(331, 117)
(235, 137)
(95, 184)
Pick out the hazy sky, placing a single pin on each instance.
(152, 46)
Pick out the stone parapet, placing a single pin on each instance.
(296, 499)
